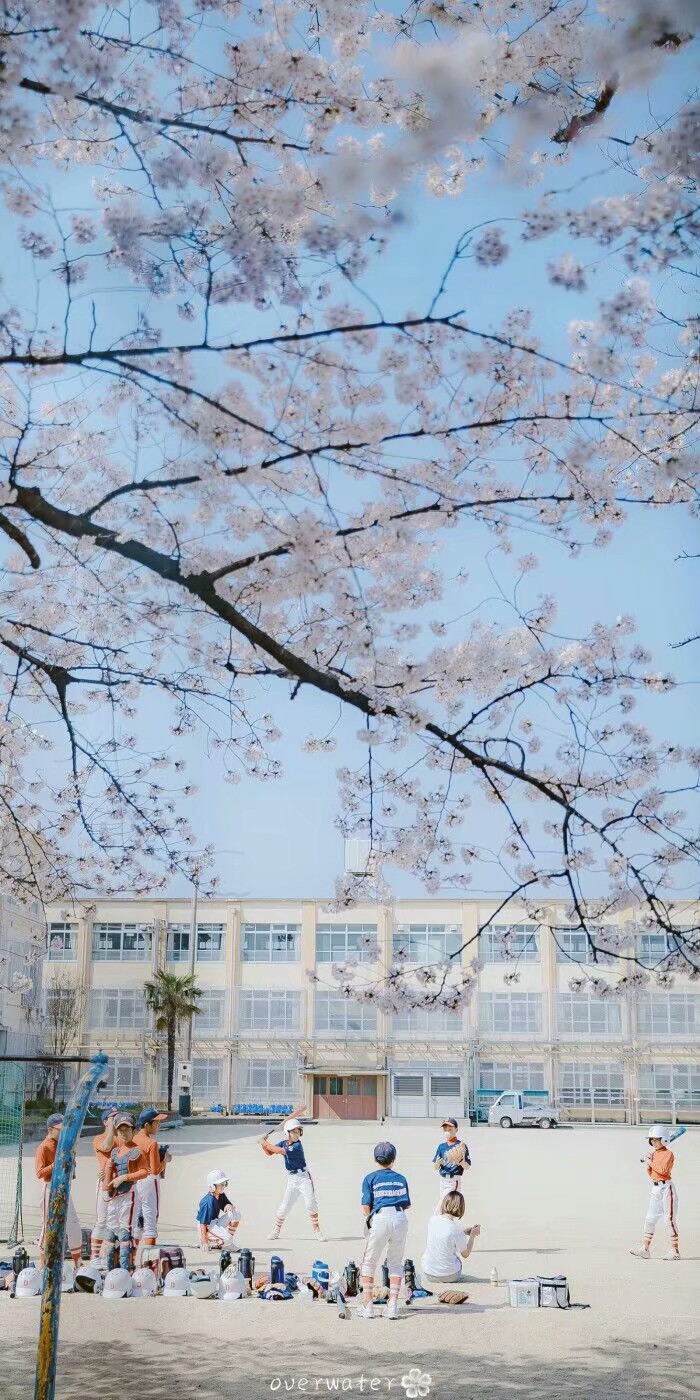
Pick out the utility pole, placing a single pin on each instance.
(185, 1095)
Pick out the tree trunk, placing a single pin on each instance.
(171, 1061)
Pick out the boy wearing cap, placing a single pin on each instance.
(148, 1191)
(127, 1164)
(217, 1216)
(385, 1200)
(450, 1159)
(299, 1180)
(102, 1147)
(44, 1158)
(664, 1197)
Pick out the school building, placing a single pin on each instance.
(266, 1035)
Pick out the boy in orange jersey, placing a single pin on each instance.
(148, 1191)
(102, 1147)
(127, 1165)
(664, 1197)
(44, 1158)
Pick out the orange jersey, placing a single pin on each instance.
(151, 1150)
(102, 1153)
(660, 1164)
(44, 1158)
(138, 1167)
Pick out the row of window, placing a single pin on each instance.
(500, 1013)
(412, 943)
(580, 1083)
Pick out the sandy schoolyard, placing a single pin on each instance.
(570, 1201)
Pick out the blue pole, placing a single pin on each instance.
(54, 1239)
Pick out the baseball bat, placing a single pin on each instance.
(294, 1114)
(677, 1132)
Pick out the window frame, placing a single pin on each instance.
(260, 938)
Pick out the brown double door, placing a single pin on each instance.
(345, 1096)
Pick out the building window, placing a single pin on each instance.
(211, 1019)
(510, 1012)
(269, 1081)
(591, 1084)
(510, 943)
(420, 1021)
(503, 1075)
(271, 943)
(124, 1080)
(573, 946)
(62, 942)
(338, 1015)
(210, 942)
(122, 942)
(669, 1086)
(427, 943)
(669, 1013)
(580, 1014)
(336, 942)
(117, 1009)
(263, 1011)
(654, 949)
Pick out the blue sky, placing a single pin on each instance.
(284, 832)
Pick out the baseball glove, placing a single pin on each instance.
(379, 1294)
(314, 1287)
(452, 1296)
(457, 1155)
(261, 1283)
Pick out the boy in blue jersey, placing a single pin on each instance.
(217, 1216)
(385, 1200)
(451, 1159)
(299, 1181)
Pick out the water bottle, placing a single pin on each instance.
(352, 1279)
(276, 1269)
(20, 1260)
(246, 1264)
(409, 1275)
(385, 1275)
(494, 1277)
(224, 1259)
(321, 1273)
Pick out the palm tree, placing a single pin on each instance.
(172, 1000)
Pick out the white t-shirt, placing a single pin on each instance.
(445, 1242)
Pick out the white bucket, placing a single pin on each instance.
(523, 1293)
(554, 1292)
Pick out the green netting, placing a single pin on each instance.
(12, 1078)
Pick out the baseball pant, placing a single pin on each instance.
(148, 1202)
(450, 1183)
(663, 1203)
(101, 1209)
(387, 1236)
(298, 1184)
(220, 1227)
(73, 1231)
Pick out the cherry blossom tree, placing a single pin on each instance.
(229, 474)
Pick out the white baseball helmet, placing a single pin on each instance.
(204, 1283)
(290, 1124)
(88, 1278)
(232, 1284)
(658, 1130)
(217, 1177)
(29, 1283)
(118, 1284)
(177, 1284)
(144, 1283)
(68, 1277)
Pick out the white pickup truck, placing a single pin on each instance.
(512, 1110)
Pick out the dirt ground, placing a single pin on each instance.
(570, 1201)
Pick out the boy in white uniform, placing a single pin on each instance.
(217, 1216)
(664, 1197)
(385, 1200)
(299, 1180)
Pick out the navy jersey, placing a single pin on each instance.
(294, 1159)
(210, 1207)
(385, 1188)
(450, 1168)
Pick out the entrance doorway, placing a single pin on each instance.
(345, 1096)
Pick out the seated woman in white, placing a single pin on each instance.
(448, 1242)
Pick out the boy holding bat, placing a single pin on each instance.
(664, 1197)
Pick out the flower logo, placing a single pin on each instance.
(416, 1383)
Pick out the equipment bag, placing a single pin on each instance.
(554, 1292)
(524, 1292)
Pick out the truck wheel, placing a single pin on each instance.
(546, 1123)
(506, 1122)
